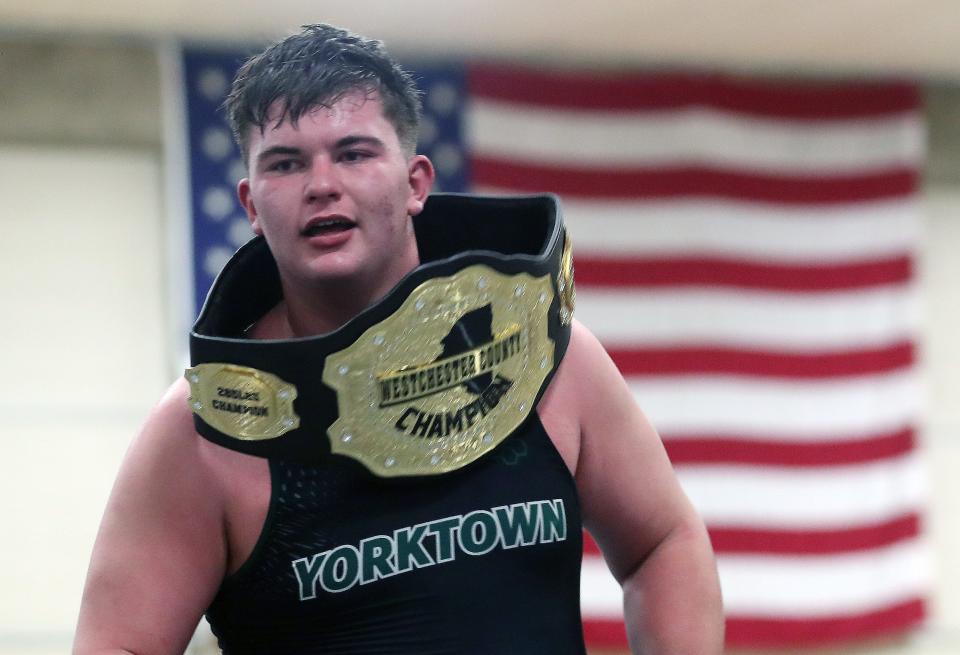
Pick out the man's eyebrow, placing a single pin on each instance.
(358, 139)
(277, 150)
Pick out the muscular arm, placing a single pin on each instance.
(160, 553)
(651, 537)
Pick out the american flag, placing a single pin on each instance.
(746, 250)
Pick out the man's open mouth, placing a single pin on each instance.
(329, 226)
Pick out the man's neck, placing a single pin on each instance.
(315, 310)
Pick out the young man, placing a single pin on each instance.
(394, 426)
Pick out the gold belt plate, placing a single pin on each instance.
(243, 402)
(410, 403)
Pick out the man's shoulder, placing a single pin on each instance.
(171, 461)
(587, 383)
(585, 375)
(172, 415)
(169, 437)
(586, 361)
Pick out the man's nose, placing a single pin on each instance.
(323, 182)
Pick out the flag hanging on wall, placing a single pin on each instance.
(746, 252)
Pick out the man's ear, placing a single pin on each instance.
(243, 193)
(421, 176)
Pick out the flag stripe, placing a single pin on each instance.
(828, 497)
(836, 451)
(743, 631)
(618, 183)
(742, 362)
(639, 272)
(750, 318)
(820, 586)
(745, 230)
(814, 409)
(813, 587)
(599, 92)
(695, 136)
(743, 540)
(887, 620)
(815, 542)
(604, 633)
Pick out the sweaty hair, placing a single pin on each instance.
(315, 68)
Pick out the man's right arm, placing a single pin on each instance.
(160, 554)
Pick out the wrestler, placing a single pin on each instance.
(392, 429)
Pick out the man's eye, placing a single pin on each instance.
(283, 166)
(354, 155)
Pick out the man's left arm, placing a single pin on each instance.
(652, 538)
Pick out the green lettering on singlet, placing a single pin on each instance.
(307, 570)
(444, 529)
(519, 524)
(340, 570)
(554, 521)
(478, 533)
(375, 554)
(410, 550)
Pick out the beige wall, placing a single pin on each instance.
(940, 272)
(85, 350)
(83, 357)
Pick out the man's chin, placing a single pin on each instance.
(342, 273)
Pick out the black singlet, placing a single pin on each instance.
(481, 561)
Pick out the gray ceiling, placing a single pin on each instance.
(877, 37)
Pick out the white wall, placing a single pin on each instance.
(83, 349)
(940, 274)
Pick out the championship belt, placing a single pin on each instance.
(427, 380)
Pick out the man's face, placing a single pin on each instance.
(333, 195)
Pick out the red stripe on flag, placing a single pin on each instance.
(762, 631)
(690, 181)
(758, 632)
(644, 91)
(705, 449)
(814, 542)
(590, 546)
(741, 540)
(719, 360)
(604, 633)
(708, 271)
